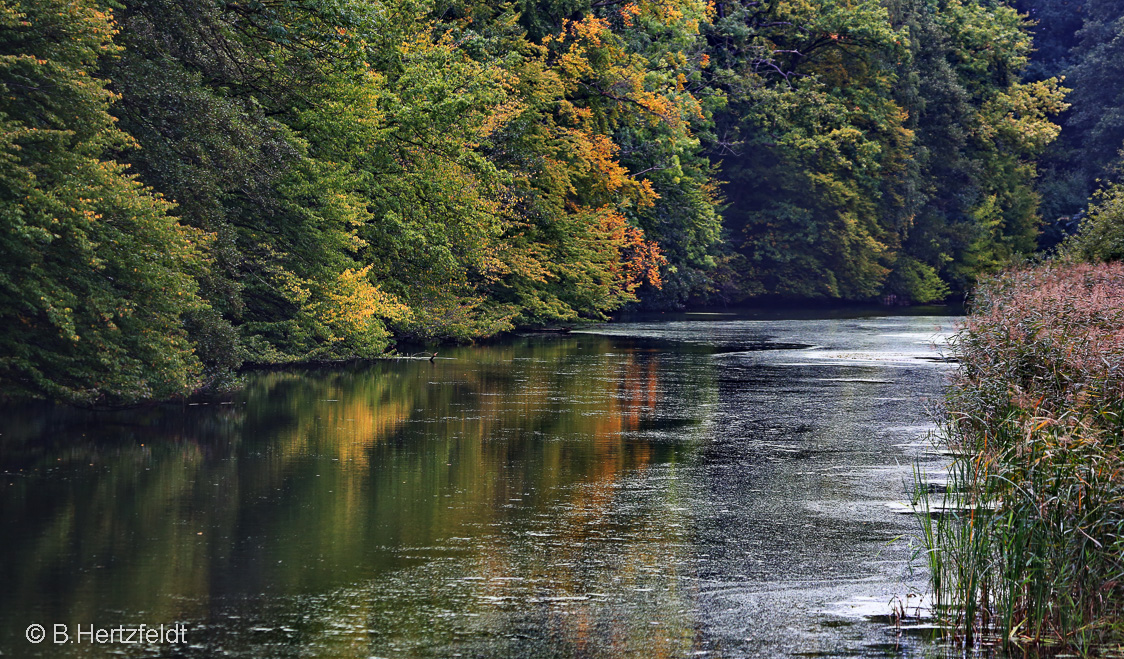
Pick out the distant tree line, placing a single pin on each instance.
(1082, 41)
(189, 186)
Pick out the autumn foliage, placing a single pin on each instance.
(193, 186)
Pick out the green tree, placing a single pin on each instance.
(1095, 125)
(979, 132)
(817, 145)
(1101, 237)
(94, 270)
(218, 97)
(1082, 41)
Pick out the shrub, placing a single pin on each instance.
(1033, 547)
(1101, 237)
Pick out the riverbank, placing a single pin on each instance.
(1035, 551)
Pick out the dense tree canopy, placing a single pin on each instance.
(96, 273)
(189, 186)
(1082, 41)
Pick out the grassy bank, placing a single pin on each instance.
(1027, 544)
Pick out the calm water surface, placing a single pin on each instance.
(711, 486)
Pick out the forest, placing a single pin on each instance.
(190, 187)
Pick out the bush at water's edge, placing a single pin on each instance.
(1031, 543)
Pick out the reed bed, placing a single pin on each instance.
(1026, 545)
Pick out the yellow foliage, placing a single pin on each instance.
(354, 301)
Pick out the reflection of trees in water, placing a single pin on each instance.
(313, 480)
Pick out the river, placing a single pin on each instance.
(700, 485)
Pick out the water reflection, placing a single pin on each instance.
(509, 500)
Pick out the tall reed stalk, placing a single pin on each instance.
(1027, 543)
